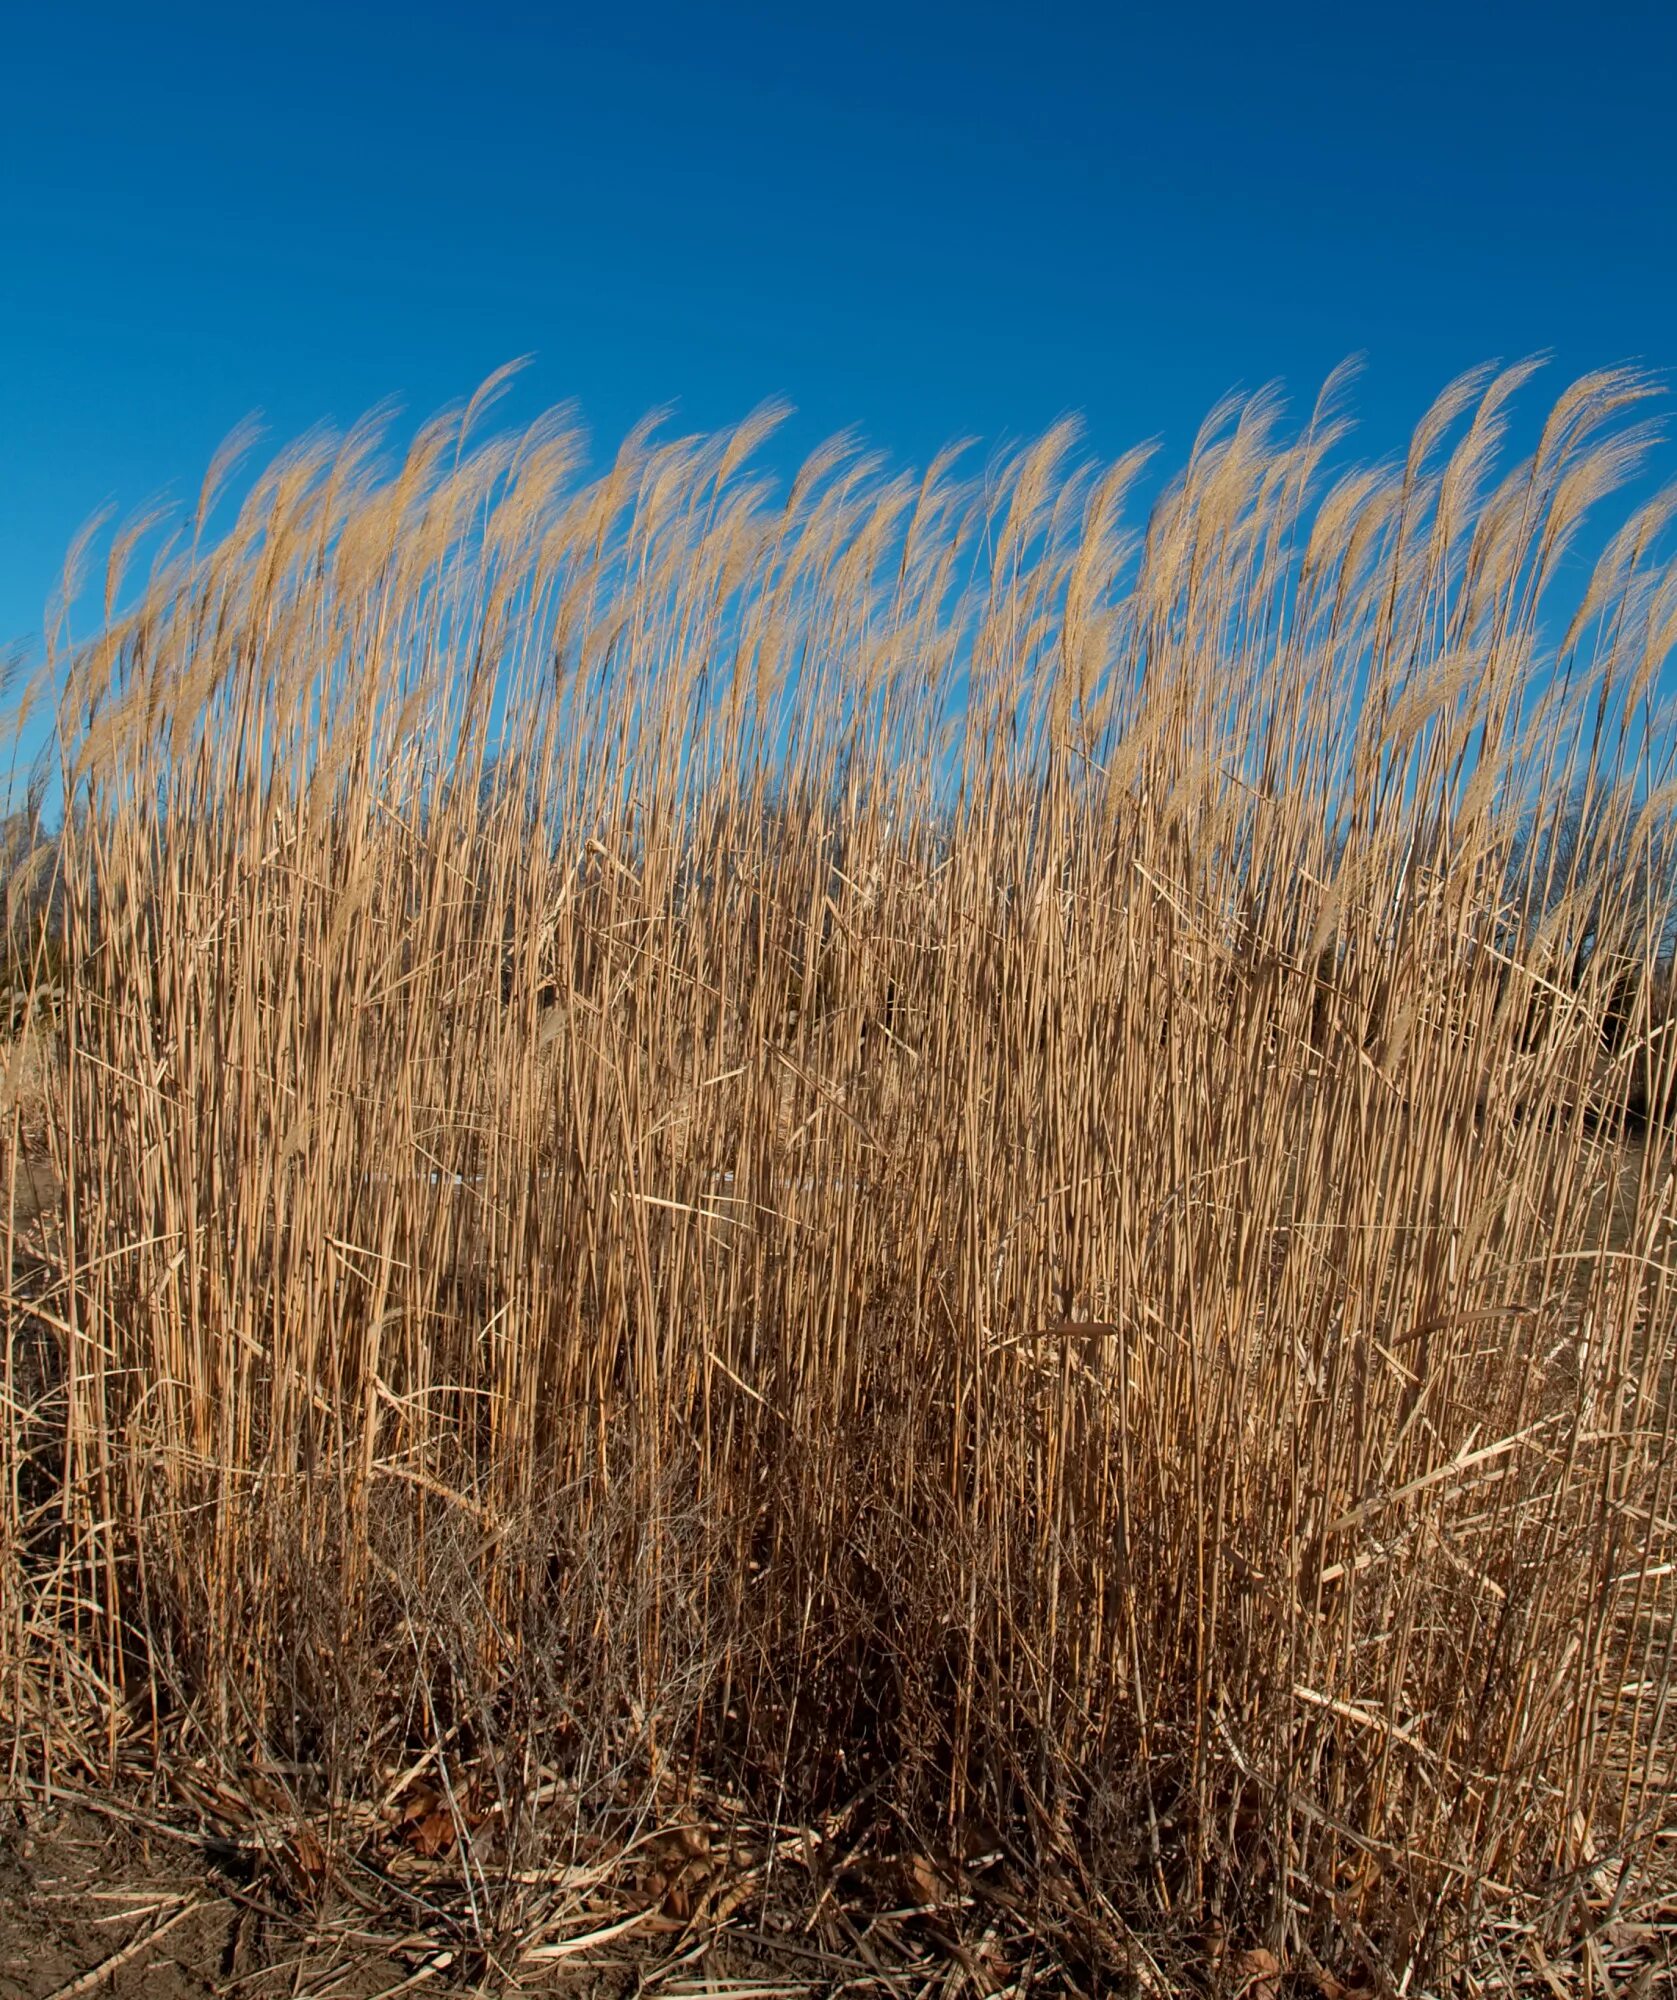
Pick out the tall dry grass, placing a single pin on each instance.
(885, 1136)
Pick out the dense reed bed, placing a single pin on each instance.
(881, 1149)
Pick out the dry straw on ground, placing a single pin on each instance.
(881, 1158)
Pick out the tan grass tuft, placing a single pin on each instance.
(879, 1144)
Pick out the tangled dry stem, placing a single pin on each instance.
(878, 1143)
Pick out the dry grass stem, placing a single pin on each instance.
(675, 1150)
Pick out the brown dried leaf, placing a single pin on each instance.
(1259, 1974)
(434, 1834)
(681, 1844)
(1331, 1988)
(923, 1881)
(423, 1799)
(678, 1871)
(266, 1793)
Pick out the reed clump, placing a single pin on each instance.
(880, 1142)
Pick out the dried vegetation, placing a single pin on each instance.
(873, 1178)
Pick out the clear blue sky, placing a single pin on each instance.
(921, 220)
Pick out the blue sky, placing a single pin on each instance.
(921, 220)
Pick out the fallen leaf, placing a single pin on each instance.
(923, 1881)
(266, 1793)
(434, 1834)
(679, 1871)
(1259, 1974)
(421, 1800)
(683, 1843)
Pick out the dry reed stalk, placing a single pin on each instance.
(882, 1137)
